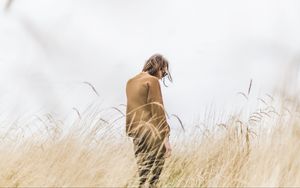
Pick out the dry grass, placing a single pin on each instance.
(257, 149)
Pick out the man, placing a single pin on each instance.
(146, 120)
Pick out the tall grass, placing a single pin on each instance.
(261, 148)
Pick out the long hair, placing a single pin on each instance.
(155, 63)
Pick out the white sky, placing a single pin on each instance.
(48, 47)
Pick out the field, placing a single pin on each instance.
(260, 148)
(52, 48)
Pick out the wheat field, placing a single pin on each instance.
(259, 150)
(248, 148)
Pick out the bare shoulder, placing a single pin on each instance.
(132, 79)
(143, 79)
(151, 79)
(128, 81)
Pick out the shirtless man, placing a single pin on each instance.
(146, 120)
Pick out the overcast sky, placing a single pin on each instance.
(49, 47)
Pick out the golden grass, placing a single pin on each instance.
(262, 149)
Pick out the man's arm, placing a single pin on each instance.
(157, 107)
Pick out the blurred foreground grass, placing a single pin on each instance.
(262, 149)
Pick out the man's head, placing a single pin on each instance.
(158, 66)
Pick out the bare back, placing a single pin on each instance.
(144, 104)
